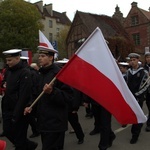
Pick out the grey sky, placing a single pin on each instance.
(106, 7)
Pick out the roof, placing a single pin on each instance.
(61, 17)
(109, 26)
(85, 23)
(146, 13)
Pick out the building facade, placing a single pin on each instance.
(53, 21)
(137, 25)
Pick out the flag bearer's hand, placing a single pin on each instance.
(48, 88)
(27, 110)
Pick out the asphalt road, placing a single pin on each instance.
(123, 136)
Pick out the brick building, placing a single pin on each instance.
(137, 25)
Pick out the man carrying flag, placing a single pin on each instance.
(52, 110)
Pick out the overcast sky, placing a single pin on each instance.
(106, 7)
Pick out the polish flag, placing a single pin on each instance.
(27, 54)
(93, 71)
(45, 44)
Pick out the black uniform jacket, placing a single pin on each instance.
(76, 101)
(147, 67)
(136, 80)
(18, 91)
(52, 108)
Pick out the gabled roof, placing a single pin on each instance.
(109, 26)
(61, 16)
(146, 13)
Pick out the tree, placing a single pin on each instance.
(62, 42)
(19, 25)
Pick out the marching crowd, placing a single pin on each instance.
(58, 103)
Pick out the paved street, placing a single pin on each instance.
(121, 142)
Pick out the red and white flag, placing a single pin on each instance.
(93, 71)
(27, 54)
(44, 43)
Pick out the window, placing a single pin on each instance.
(50, 37)
(134, 20)
(50, 23)
(136, 38)
(57, 31)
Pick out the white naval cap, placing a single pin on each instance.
(24, 58)
(12, 52)
(63, 61)
(123, 63)
(127, 58)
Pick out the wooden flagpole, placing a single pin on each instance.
(36, 100)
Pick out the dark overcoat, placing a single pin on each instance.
(52, 108)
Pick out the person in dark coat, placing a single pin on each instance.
(95, 109)
(136, 79)
(73, 117)
(89, 112)
(147, 67)
(35, 83)
(73, 107)
(103, 124)
(16, 97)
(123, 66)
(52, 110)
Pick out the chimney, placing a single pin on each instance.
(40, 5)
(49, 8)
(64, 12)
(134, 4)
